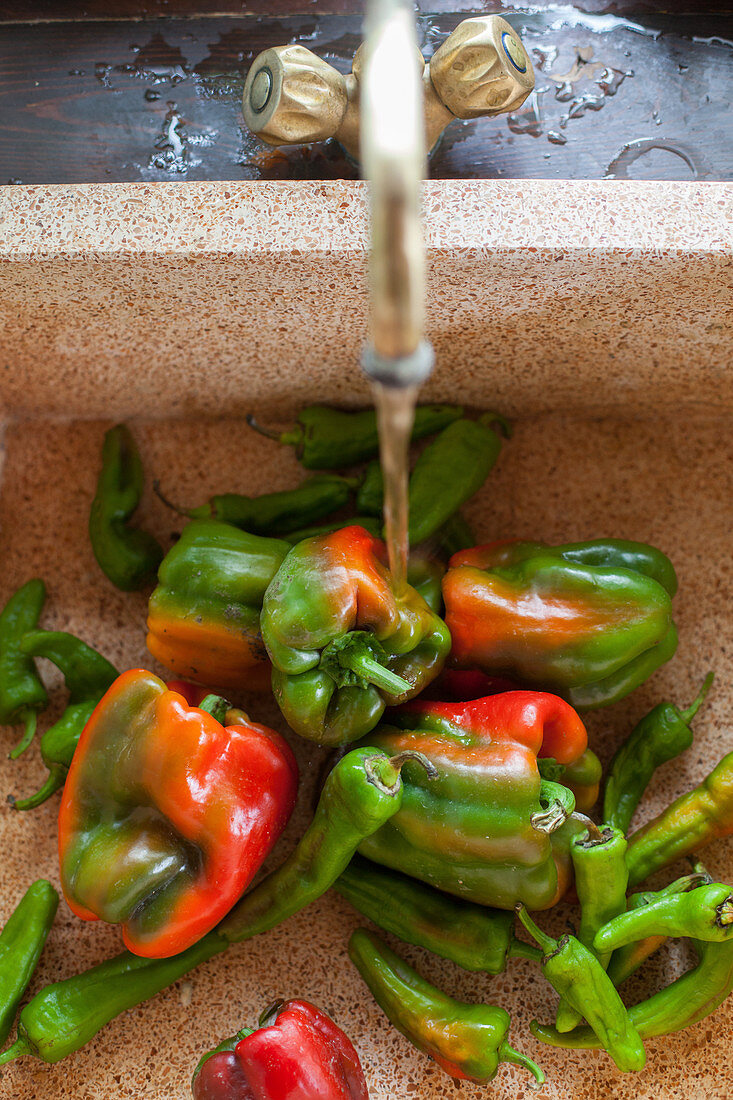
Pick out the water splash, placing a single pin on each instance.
(172, 154)
(619, 167)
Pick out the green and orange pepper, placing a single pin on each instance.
(342, 642)
(489, 828)
(167, 813)
(589, 620)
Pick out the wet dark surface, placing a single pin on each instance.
(645, 95)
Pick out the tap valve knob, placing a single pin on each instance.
(293, 97)
(482, 68)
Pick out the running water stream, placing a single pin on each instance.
(395, 413)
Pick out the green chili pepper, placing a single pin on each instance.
(87, 675)
(626, 960)
(275, 513)
(600, 881)
(690, 822)
(467, 1041)
(450, 470)
(704, 914)
(126, 555)
(369, 523)
(576, 974)
(679, 1005)
(362, 792)
(21, 943)
(327, 439)
(370, 497)
(64, 1016)
(473, 936)
(661, 735)
(22, 693)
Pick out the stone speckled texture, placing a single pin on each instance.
(560, 478)
(550, 285)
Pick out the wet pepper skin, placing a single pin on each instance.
(589, 620)
(204, 615)
(167, 815)
(342, 643)
(300, 1055)
(470, 831)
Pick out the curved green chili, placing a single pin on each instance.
(362, 792)
(21, 943)
(601, 879)
(472, 936)
(327, 439)
(451, 469)
(660, 736)
(681, 1004)
(579, 978)
(22, 693)
(467, 1041)
(702, 914)
(275, 514)
(126, 555)
(64, 1016)
(87, 675)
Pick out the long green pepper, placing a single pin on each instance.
(362, 792)
(601, 878)
(22, 694)
(64, 1016)
(21, 943)
(661, 735)
(576, 974)
(467, 1041)
(126, 555)
(702, 914)
(472, 936)
(87, 675)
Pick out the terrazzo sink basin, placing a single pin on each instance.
(598, 315)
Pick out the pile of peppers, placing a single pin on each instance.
(461, 798)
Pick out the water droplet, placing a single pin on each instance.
(528, 120)
(151, 96)
(556, 138)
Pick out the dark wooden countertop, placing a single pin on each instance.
(624, 89)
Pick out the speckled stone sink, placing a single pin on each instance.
(598, 315)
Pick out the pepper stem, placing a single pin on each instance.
(31, 721)
(270, 1014)
(518, 949)
(384, 771)
(546, 942)
(216, 706)
(491, 418)
(560, 804)
(724, 913)
(20, 1047)
(369, 669)
(689, 714)
(293, 437)
(507, 1053)
(56, 779)
(192, 513)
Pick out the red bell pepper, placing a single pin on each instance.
(297, 1053)
(167, 815)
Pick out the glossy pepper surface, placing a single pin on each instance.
(21, 943)
(296, 1053)
(661, 735)
(590, 620)
(579, 978)
(686, 825)
(166, 814)
(87, 675)
(22, 694)
(126, 555)
(468, 1041)
(702, 914)
(276, 513)
(327, 439)
(204, 615)
(362, 791)
(342, 643)
(478, 830)
(472, 936)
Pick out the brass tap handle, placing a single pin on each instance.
(292, 97)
